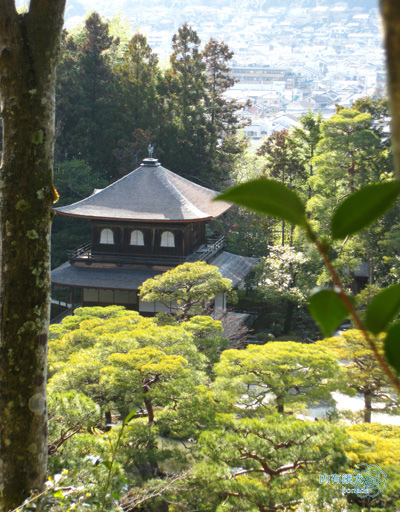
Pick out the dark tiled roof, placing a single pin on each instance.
(231, 266)
(150, 193)
(100, 277)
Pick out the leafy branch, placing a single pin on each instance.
(330, 307)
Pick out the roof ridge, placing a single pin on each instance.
(182, 199)
(190, 182)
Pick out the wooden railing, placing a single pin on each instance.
(85, 254)
(84, 251)
(207, 251)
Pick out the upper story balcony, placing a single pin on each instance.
(88, 253)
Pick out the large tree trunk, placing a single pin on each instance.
(29, 46)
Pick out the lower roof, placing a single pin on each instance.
(78, 276)
(231, 266)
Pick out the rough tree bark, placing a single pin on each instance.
(390, 10)
(29, 48)
(367, 406)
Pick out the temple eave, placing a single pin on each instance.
(131, 219)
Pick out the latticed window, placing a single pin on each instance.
(137, 237)
(106, 236)
(167, 239)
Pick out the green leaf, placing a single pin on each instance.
(115, 496)
(129, 417)
(327, 310)
(392, 346)
(270, 198)
(383, 309)
(106, 463)
(363, 207)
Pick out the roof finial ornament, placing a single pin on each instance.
(150, 149)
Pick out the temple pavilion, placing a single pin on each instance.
(149, 221)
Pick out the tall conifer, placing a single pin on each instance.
(187, 135)
(89, 129)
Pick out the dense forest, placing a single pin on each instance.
(113, 99)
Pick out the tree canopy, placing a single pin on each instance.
(186, 289)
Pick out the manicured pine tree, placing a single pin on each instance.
(258, 459)
(280, 376)
(187, 289)
(363, 374)
(265, 464)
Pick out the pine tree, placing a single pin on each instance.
(283, 163)
(90, 127)
(222, 112)
(140, 104)
(343, 161)
(139, 76)
(187, 135)
(363, 373)
(67, 99)
(306, 138)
